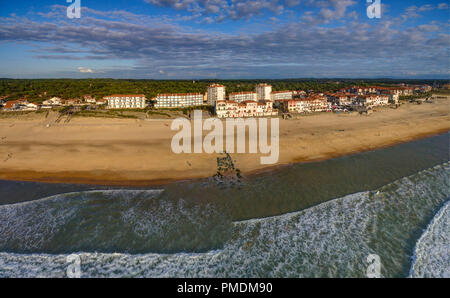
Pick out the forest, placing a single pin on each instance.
(38, 90)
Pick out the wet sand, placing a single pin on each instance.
(138, 152)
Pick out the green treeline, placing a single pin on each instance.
(37, 90)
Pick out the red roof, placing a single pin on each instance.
(10, 103)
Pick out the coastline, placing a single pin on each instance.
(123, 152)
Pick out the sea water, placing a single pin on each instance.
(306, 220)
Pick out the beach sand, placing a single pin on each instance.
(138, 152)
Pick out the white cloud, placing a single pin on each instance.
(85, 70)
(443, 6)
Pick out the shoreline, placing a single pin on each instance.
(86, 179)
(137, 153)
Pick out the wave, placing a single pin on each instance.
(431, 255)
(332, 239)
(133, 221)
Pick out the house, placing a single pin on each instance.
(89, 99)
(54, 101)
(71, 102)
(20, 105)
(12, 105)
(101, 101)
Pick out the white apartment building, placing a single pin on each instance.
(263, 91)
(242, 96)
(215, 92)
(372, 100)
(295, 105)
(341, 99)
(248, 108)
(306, 105)
(125, 101)
(227, 109)
(280, 95)
(179, 100)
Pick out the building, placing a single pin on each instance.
(371, 100)
(318, 103)
(71, 102)
(263, 91)
(215, 92)
(11, 105)
(281, 95)
(227, 109)
(341, 99)
(298, 93)
(178, 100)
(54, 101)
(242, 96)
(295, 105)
(89, 99)
(101, 101)
(126, 101)
(20, 105)
(248, 108)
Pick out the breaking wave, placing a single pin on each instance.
(133, 221)
(332, 239)
(431, 256)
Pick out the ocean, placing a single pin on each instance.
(319, 219)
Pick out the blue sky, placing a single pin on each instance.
(193, 39)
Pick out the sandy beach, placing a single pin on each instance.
(138, 151)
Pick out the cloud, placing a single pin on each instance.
(300, 48)
(220, 10)
(443, 6)
(85, 70)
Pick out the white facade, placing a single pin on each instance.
(242, 96)
(132, 101)
(263, 91)
(179, 100)
(215, 93)
(54, 101)
(281, 95)
(249, 108)
(372, 100)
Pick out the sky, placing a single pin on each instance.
(225, 39)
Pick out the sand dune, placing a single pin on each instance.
(138, 152)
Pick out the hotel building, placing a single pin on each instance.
(263, 91)
(179, 100)
(248, 108)
(123, 101)
(280, 95)
(372, 100)
(242, 96)
(305, 105)
(215, 92)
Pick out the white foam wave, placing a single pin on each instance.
(332, 239)
(432, 252)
